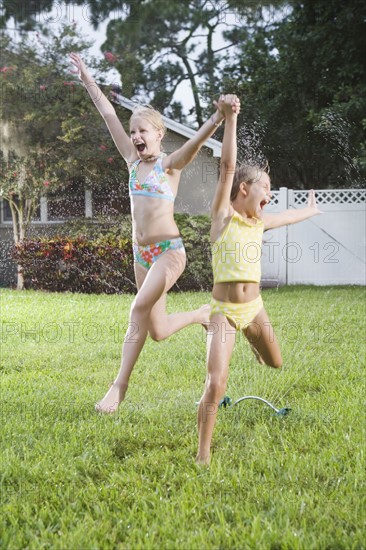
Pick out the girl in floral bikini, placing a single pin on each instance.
(158, 249)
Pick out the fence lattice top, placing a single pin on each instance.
(275, 199)
(331, 196)
(323, 196)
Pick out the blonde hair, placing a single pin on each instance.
(248, 173)
(151, 115)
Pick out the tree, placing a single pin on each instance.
(303, 83)
(298, 67)
(52, 134)
(160, 45)
(164, 44)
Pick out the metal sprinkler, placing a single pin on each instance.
(227, 402)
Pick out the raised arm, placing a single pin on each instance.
(288, 217)
(185, 154)
(221, 201)
(105, 108)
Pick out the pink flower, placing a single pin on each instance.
(46, 183)
(103, 147)
(42, 87)
(5, 70)
(110, 57)
(110, 160)
(14, 174)
(68, 83)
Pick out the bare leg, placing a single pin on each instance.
(162, 325)
(162, 276)
(263, 341)
(221, 343)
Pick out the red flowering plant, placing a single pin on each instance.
(56, 133)
(78, 264)
(110, 57)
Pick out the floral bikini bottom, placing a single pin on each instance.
(147, 255)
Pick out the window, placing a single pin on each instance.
(6, 213)
(111, 202)
(6, 217)
(69, 203)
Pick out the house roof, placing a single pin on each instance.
(173, 125)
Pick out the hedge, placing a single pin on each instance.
(98, 257)
(195, 231)
(77, 265)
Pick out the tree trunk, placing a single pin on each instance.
(21, 229)
(20, 278)
(191, 76)
(18, 233)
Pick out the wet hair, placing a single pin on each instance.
(151, 115)
(248, 173)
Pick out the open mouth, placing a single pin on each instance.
(263, 203)
(140, 147)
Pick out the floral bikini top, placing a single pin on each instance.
(156, 184)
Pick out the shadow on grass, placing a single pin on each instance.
(127, 446)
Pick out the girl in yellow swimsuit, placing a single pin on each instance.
(237, 229)
(158, 249)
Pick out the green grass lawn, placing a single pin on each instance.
(73, 479)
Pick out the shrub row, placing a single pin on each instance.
(98, 257)
(195, 231)
(77, 265)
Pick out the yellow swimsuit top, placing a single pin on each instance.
(236, 254)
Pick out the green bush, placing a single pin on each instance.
(98, 257)
(77, 264)
(97, 228)
(195, 231)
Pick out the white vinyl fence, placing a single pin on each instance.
(328, 249)
(325, 250)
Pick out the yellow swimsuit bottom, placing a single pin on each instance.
(240, 314)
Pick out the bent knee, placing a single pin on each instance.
(140, 306)
(157, 335)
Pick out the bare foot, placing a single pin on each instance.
(110, 402)
(203, 315)
(203, 461)
(257, 355)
